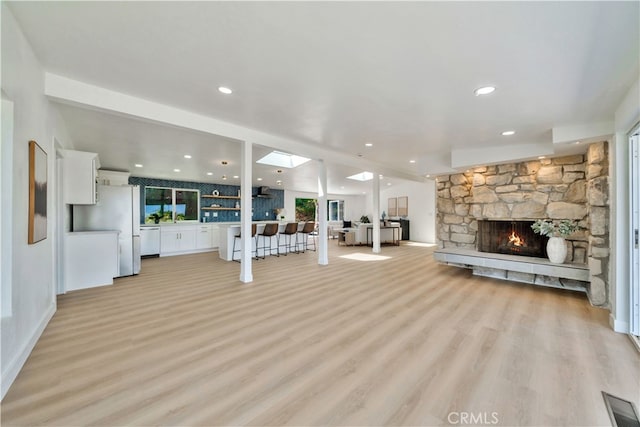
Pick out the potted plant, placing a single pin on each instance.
(556, 232)
(364, 219)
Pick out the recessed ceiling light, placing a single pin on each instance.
(362, 176)
(236, 176)
(342, 187)
(578, 142)
(364, 192)
(412, 161)
(485, 90)
(368, 144)
(381, 176)
(259, 179)
(176, 170)
(209, 173)
(138, 165)
(224, 177)
(279, 182)
(508, 132)
(224, 163)
(388, 183)
(187, 156)
(428, 176)
(225, 90)
(541, 157)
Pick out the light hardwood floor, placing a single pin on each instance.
(390, 340)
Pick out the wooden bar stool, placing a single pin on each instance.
(270, 231)
(308, 229)
(291, 230)
(254, 229)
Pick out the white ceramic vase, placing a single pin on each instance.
(556, 250)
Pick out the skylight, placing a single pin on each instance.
(362, 176)
(283, 160)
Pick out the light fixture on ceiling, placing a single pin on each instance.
(283, 160)
(412, 161)
(428, 176)
(508, 132)
(279, 182)
(187, 156)
(542, 157)
(138, 165)
(224, 163)
(388, 183)
(224, 177)
(342, 187)
(368, 144)
(484, 90)
(259, 179)
(362, 176)
(380, 176)
(235, 177)
(225, 90)
(578, 142)
(209, 173)
(176, 170)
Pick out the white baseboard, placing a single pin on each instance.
(13, 368)
(618, 325)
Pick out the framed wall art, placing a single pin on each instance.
(37, 193)
(403, 206)
(392, 207)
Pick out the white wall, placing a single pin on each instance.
(33, 272)
(422, 207)
(354, 206)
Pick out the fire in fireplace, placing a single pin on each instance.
(510, 237)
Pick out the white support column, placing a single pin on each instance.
(323, 257)
(246, 274)
(376, 212)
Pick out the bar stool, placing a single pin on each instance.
(308, 228)
(270, 231)
(254, 229)
(291, 229)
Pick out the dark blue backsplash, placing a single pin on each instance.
(263, 207)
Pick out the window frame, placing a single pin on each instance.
(173, 204)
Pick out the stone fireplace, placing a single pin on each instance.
(512, 237)
(572, 187)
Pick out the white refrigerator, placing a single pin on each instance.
(118, 208)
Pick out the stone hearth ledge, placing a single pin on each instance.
(536, 271)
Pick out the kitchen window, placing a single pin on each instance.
(170, 205)
(336, 210)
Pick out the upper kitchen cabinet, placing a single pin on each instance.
(80, 172)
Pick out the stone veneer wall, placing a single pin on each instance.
(571, 187)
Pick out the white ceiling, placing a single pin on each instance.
(400, 75)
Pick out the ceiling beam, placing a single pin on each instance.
(472, 157)
(66, 90)
(585, 132)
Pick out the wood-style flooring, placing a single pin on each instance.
(389, 339)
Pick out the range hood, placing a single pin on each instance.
(264, 191)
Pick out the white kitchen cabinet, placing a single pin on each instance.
(91, 258)
(215, 236)
(203, 237)
(176, 239)
(80, 172)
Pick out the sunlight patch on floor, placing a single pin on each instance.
(365, 257)
(420, 244)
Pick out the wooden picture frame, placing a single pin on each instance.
(403, 206)
(392, 206)
(37, 193)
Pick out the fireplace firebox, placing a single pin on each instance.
(511, 237)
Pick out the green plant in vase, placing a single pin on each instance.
(557, 231)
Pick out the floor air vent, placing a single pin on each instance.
(622, 412)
